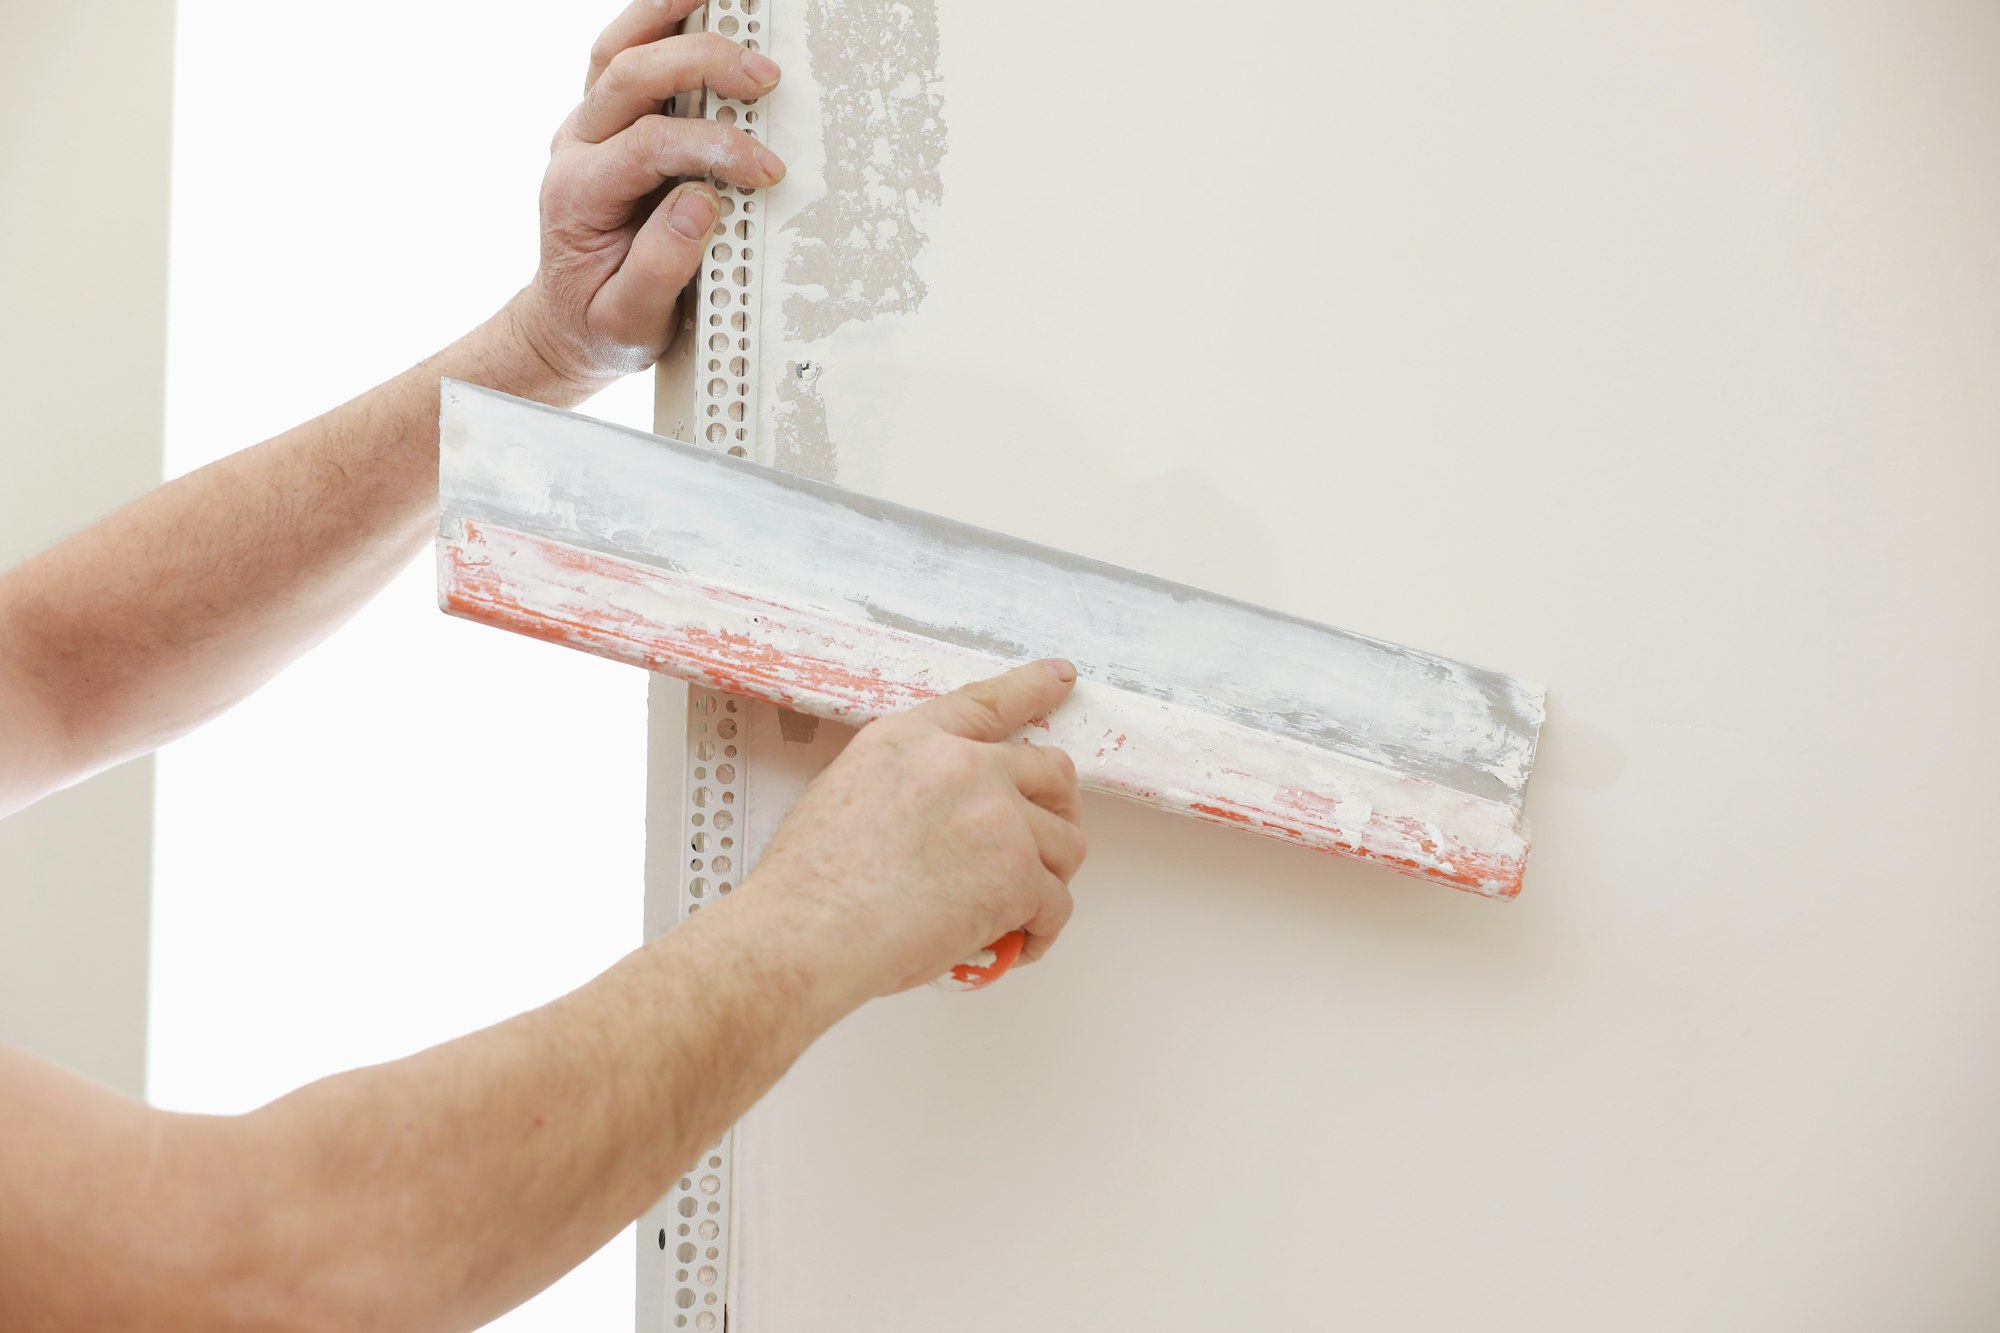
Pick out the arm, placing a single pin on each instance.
(440, 1190)
(168, 612)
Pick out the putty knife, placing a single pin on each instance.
(744, 579)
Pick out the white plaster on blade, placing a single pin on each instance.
(1395, 709)
(1166, 755)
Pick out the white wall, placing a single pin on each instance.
(425, 826)
(1645, 350)
(84, 114)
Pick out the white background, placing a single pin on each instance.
(425, 826)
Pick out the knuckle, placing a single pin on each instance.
(653, 135)
(946, 760)
(1064, 907)
(982, 698)
(558, 188)
(1065, 766)
(990, 821)
(622, 68)
(715, 49)
(884, 732)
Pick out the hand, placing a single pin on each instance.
(932, 836)
(615, 254)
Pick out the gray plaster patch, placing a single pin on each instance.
(854, 256)
(797, 728)
(799, 439)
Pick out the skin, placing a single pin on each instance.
(438, 1191)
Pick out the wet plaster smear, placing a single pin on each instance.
(849, 254)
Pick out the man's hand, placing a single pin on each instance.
(615, 254)
(931, 836)
(439, 1190)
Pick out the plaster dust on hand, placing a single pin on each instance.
(852, 250)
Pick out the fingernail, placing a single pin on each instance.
(761, 68)
(693, 213)
(1060, 668)
(768, 160)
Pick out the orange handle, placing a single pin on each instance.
(985, 967)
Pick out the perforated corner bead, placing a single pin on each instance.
(698, 1279)
(732, 280)
(729, 296)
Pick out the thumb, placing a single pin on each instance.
(987, 710)
(637, 302)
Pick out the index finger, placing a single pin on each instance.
(987, 710)
(643, 21)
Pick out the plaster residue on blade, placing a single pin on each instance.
(1005, 647)
(852, 252)
(947, 585)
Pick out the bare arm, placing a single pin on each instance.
(438, 1191)
(170, 611)
(434, 1192)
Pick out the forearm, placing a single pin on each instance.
(438, 1191)
(426, 1194)
(177, 606)
(434, 1192)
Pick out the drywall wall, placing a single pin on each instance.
(83, 266)
(1646, 351)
